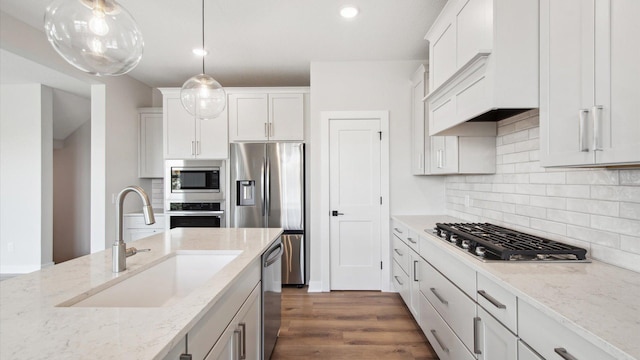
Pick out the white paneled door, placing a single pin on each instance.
(355, 203)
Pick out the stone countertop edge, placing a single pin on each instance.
(32, 326)
(596, 300)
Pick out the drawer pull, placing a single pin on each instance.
(435, 335)
(476, 322)
(398, 280)
(492, 300)
(564, 354)
(412, 241)
(397, 230)
(398, 252)
(415, 271)
(433, 290)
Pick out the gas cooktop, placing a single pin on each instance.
(489, 242)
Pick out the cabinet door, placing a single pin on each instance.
(418, 138)
(286, 117)
(566, 82)
(213, 139)
(494, 341)
(444, 154)
(617, 79)
(150, 161)
(414, 284)
(443, 56)
(248, 117)
(179, 130)
(474, 24)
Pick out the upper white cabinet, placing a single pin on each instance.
(589, 82)
(483, 61)
(473, 151)
(267, 114)
(186, 137)
(150, 161)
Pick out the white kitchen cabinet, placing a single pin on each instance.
(526, 353)
(267, 115)
(186, 137)
(499, 302)
(150, 159)
(134, 228)
(483, 61)
(553, 340)
(401, 282)
(588, 83)
(443, 340)
(414, 284)
(241, 338)
(471, 152)
(494, 341)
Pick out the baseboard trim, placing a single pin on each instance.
(315, 286)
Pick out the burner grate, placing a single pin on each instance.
(507, 244)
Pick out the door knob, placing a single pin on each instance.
(336, 213)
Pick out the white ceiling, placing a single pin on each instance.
(264, 42)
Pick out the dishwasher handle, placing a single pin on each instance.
(271, 259)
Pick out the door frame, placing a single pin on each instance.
(324, 232)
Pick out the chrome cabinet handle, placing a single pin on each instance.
(435, 335)
(476, 322)
(597, 127)
(583, 115)
(492, 300)
(440, 160)
(266, 132)
(433, 290)
(411, 240)
(193, 151)
(270, 129)
(398, 252)
(398, 280)
(239, 344)
(243, 342)
(415, 271)
(397, 230)
(564, 354)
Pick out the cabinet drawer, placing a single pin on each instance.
(547, 336)
(412, 240)
(401, 282)
(456, 308)
(499, 302)
(137, 221)
(400, 230)
(460, 274)
(401, 253)
(443, 340)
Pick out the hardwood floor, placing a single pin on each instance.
(348, 325)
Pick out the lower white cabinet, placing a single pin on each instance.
(492, 340)
(525, 352)
(241, 339)
(414, 284)
(443, 340)
(551, 339)
(401, 282)
(134, 227)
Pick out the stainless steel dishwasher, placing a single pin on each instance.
(271, 297)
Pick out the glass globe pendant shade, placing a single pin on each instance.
(203, 97)
(96, 36)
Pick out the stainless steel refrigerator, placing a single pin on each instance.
(267, 190)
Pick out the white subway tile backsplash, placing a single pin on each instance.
(598, 209)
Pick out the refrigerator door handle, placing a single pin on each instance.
(267, 191)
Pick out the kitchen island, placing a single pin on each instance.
(580, 305)
(34, 326)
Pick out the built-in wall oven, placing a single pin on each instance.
(194, 195)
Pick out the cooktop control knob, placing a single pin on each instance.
(480, 251)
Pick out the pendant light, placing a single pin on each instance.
(202, 96)
(96, 36)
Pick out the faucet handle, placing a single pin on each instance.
(132, 251)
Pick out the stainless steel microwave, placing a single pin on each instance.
(191, 179)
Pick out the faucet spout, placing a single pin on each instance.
(119, 247)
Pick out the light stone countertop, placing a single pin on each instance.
(32, 327)
(600, 302)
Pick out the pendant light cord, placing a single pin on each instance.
(203, 50)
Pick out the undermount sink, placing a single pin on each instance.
(162, 284)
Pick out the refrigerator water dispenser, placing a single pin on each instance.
(246, 190)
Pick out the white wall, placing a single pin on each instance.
(598, 209)
(25, 144)
(72, 195)
(115, 133)
(355, 86)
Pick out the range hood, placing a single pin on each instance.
(483, 64)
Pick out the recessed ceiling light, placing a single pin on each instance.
(349, 12)
(200, 51)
